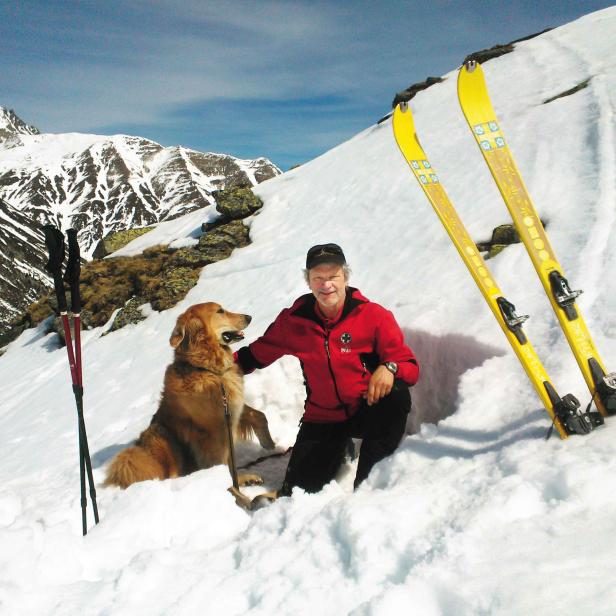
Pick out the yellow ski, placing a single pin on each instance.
(477, 108)
(565, 412)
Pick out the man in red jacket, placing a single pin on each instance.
(357, 372)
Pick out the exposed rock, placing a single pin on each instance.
(220, 242)
(234, 204)
(411, 91)
(237, 203)
(14, 328)
(129, 314)
(484, 55)
(580, 86)
(496, 51)
(114, 241)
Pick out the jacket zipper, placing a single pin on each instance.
(331, 371)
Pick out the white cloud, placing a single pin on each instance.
(267, 50)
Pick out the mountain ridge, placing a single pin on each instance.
(99, 185)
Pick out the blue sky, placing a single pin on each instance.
(282, 79)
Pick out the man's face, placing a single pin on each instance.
(327, 284)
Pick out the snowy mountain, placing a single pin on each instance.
(11, 125)
(22, 261)
(476, 513)
(100, 185)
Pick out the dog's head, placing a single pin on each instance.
(207, 325)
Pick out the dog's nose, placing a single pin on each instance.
(248, 318)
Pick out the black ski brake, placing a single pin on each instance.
(568, 411)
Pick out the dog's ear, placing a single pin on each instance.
(178, 333)
(186, 331)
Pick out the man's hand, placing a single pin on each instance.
(380, 385)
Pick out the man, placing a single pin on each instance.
(356, 369)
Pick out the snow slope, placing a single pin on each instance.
(475, 514)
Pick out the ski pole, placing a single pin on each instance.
(55, 245)
(71, 276)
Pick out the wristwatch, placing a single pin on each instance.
(392, 366)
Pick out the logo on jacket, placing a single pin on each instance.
(346, 340)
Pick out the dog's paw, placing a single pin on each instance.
(250, 480)
(262, 500)
(265, 440)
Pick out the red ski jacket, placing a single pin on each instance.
(337, 363)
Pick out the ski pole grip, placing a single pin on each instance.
(73, 270)
(54, 241)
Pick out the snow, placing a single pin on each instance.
(475, 513)
(176, 233)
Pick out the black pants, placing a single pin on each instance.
(320, 447)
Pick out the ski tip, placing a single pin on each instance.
(470, 65)
(402, 107)
(402, 117)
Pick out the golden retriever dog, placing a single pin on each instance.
(188, 432)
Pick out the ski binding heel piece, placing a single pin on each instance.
(563, 294)
(605, 385)
(606, 388)
(607, 391)
(574, 420)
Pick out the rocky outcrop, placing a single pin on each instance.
(160, 277)
(408, 93)
(580, 86)
(114, 241)
(234, 204)
(496, 51)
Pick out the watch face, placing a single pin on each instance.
(392, 366)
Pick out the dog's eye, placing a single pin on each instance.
(221, 311)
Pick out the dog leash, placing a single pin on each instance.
(279, 454)
(242, 500)
(232, 467)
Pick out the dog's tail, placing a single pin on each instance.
(134, 464)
